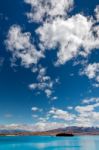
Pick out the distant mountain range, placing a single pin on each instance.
(74, 130)
(77, 129)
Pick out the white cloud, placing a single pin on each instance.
(48, 9)
(83, 121)
(36, 109)
(14, 126)
(39, 126)
(72, 35)
(87, 119)
(82, 109)
(45, 83)
(20, 45)
(69, 35)
(48, 92)
(87, 115)
(45, 126)
(69, 107)
(54, 98)
(97, 12)
(34, 69)
(61, 114)
(96, 85)
(92, 71)
(33, 86)
(88, 108)
(90, 100)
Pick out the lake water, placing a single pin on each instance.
(49, 143)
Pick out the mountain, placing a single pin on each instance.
(74, 130)
(77, 130)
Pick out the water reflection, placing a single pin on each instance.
(89, 143)
(50, 143)
(77, 143)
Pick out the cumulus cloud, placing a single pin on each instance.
(87, 119)
(61, 114)
(96, 85)
(82, 115)
(69, 107)
(83, 109)
(90, 100)
(92, 71)
(47, 10)
(21, 47)
(87, 115)
(48, 92)
(84, 121)
(54, 98)
(88, 107)
(70, 36)
(45, 83)
(14, 126)
(39, 126)
(36, 109)
(97, 12)
(45, 126)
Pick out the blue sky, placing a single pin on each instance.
(49, 63)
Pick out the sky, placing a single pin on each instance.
(49, 64)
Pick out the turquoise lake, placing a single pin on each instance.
(49, 143)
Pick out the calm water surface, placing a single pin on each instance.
(49, 143)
